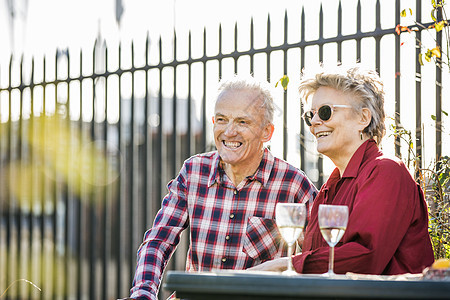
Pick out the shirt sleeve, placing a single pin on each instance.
(161, 240)
(307, 193)
(387, 201)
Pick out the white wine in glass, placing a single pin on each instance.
(290, 219)
(332, 223)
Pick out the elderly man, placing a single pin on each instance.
(228, 196)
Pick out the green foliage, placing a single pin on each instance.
(433, 117)
(434, 181)
(439, 211)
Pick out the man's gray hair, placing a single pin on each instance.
(263, 89)
(364, 85)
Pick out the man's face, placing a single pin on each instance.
(240, 129)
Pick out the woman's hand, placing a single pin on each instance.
(275, 265)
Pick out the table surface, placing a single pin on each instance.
(235, 285)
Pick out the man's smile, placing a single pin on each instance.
(231, 145)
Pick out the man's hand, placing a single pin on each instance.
(276, 265)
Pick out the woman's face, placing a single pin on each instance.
(339, 137)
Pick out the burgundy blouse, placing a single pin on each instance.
(387, 231)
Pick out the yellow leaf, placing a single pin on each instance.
(428, 55)
(439, 26)
(436, 52)
(410, 11)
(432, 15)
(403, 13)
(420, 59)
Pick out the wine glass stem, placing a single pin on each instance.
(290, 267)
(331, 261)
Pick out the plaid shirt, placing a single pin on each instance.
(230, 227)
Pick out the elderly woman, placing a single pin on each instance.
(387, 231)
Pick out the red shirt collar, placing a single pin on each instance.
(366, 150)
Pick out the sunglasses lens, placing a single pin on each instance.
(325, 112)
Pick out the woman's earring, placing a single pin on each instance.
(360, 135)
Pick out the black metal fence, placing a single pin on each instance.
(88, 141)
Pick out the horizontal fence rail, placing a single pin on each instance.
(89, 140)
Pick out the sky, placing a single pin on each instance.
(41, 26)
(47, 24)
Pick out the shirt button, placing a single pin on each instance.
(227, 237)
(224, 259)
(235, 192)
(231, 216)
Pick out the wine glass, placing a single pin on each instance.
(332, 223)
(290, 219)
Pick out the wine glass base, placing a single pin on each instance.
(329, 274)
(289, 273)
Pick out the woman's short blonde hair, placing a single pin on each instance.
(365, 85)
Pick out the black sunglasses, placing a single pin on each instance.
(325, 112)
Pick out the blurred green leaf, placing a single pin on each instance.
(403, 13)
(284, 81)
(445, 113)
(433, 117)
